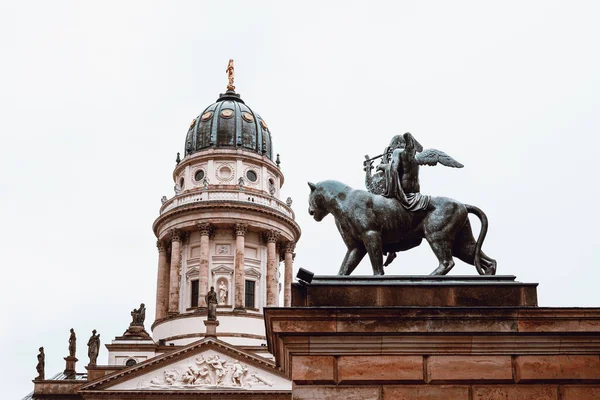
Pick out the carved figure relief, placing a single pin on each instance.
(213, 372)
(223, 249)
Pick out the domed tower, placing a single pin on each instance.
(225, 227)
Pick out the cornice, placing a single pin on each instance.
(229, 205)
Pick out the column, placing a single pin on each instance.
(162, 281)
(288, 260)
(272, 262)
(205, 231)
(240, 237)
(174, 280)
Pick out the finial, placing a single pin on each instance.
(178, 159)
(278, 161)
(229, 71)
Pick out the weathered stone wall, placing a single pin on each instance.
(447, 377)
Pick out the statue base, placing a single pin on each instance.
(416, 290)
(211, 328)
(135, 332)
(433, 337)
(69, 371)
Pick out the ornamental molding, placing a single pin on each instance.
(222, 270)
(221, 166)
(252, 273)
(192, 272)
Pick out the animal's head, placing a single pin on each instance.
(316, 202)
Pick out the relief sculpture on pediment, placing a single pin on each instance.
(213, 372)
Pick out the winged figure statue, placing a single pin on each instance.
(398, 174)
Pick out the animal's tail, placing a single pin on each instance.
(484, 227)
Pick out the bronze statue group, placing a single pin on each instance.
(394, 216)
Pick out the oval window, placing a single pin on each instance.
(131, 362)
(248, 117)
(251, 175)
(199, 175)
(227, 113)
(206, 116)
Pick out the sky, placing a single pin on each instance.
(96, 98)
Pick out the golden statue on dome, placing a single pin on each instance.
(230, 71)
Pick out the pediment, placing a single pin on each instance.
(222, 269)
(202, 366)
(253, 272)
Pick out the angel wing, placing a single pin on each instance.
(433, 156)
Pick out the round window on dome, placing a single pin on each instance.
(206, 116)
(263, 124)
(251, 175)
(248, 117)
(199, 175)
(227, 113)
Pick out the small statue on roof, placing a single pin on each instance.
(41, 365)
(93, 347)
(138, 315)
(72, 343)
(230, 75)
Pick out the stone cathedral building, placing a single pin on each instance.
(227, 228)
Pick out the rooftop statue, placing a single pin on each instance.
(138, 315)
(394, 216)
(41, 365)
(72, 343)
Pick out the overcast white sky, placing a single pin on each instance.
(96, 99)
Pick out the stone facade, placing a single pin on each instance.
(488, 352)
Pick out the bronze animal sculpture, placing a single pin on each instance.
(373, 224)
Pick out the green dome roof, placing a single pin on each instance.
(229, 123)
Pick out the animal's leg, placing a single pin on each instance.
(390, 257)
(352, 259)
(372, 242)
(442, 251)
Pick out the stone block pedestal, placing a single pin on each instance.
(211, 328)
(70, 367)
(460, 338)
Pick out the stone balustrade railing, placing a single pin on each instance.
(212, 195)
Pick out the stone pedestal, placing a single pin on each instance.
(69, 371)
(460, 338)
(211, 328)
(135, 332)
